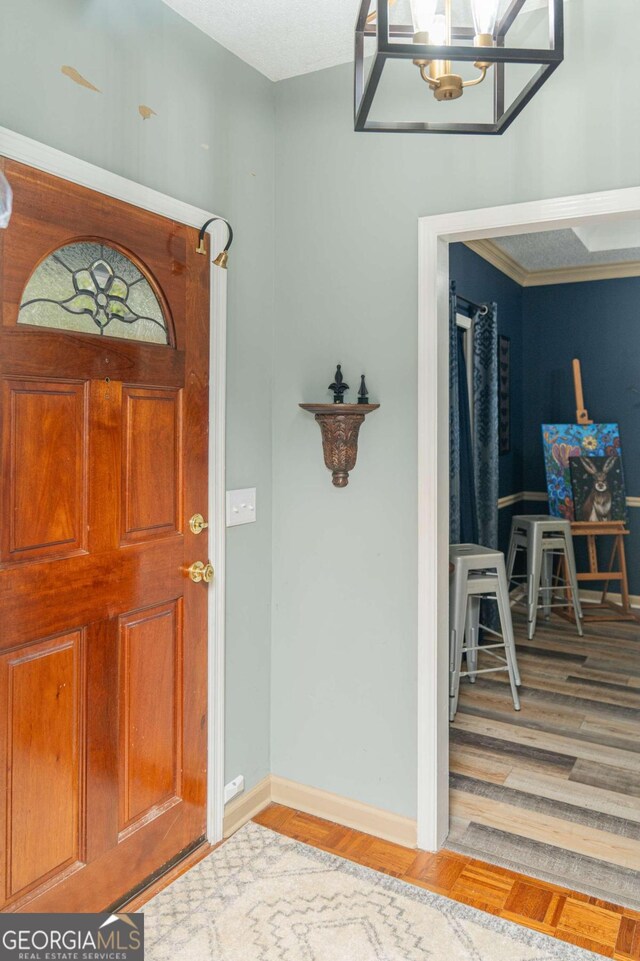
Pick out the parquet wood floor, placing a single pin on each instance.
(585, 921)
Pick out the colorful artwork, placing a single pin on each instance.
(598, 488)
(561, 442)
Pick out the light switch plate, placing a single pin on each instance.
(241, 506)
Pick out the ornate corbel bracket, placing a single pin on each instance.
(340, 426)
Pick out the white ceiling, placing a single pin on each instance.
(284, 38)
(280, 38)
(607, 243)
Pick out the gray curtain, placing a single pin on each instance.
(454, 424)
(485, 424)
(473, 456)
(463, 527)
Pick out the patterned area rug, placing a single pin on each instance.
(264, 897)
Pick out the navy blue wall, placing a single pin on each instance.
(598, 322)
(481, 282)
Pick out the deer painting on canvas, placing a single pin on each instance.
(598, 488)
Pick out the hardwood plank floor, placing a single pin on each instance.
(570, 916)
(555, 788)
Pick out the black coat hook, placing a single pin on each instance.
(223, 256)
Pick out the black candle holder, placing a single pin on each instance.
(338, 387)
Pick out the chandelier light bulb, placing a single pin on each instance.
(6, 201)
(485, 15)
(438, 32)
(422, 14)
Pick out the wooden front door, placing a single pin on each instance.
(103, 637)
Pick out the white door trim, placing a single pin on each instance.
(434, 235)
(16, 147)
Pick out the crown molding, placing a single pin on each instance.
(498, 258)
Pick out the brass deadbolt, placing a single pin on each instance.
(197, 524)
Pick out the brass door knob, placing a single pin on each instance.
(199, 571)
(197, 524)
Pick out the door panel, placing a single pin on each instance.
(43, 698)
(44, 438)
(103, 733)
(152, 571)
(151, 479)
(26, 352)
(151, 735)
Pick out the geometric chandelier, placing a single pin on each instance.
(452, 66)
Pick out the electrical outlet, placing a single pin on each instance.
(233, 788)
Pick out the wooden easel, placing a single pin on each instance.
(604, 609)
(582, 414)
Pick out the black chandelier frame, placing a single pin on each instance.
(395, 42)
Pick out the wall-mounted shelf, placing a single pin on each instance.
(340, 426)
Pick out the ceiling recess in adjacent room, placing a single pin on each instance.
(503, 49)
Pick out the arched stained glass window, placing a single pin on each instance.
(89, 287)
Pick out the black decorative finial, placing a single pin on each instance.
(363, 393)
(338, 387)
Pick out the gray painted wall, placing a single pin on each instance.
(142, 52)
(343, 698)
(344, 561)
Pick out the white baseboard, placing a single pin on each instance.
(246, 806)
(322, 804)
(594, 596)
(349, 813)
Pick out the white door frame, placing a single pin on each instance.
(14, 146)
(434, 236)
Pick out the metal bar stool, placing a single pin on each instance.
(478, 573)
(543, 538)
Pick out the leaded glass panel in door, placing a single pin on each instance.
(90, 287)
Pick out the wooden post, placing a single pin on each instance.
(582, 414)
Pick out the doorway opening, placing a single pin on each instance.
(548, 789)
